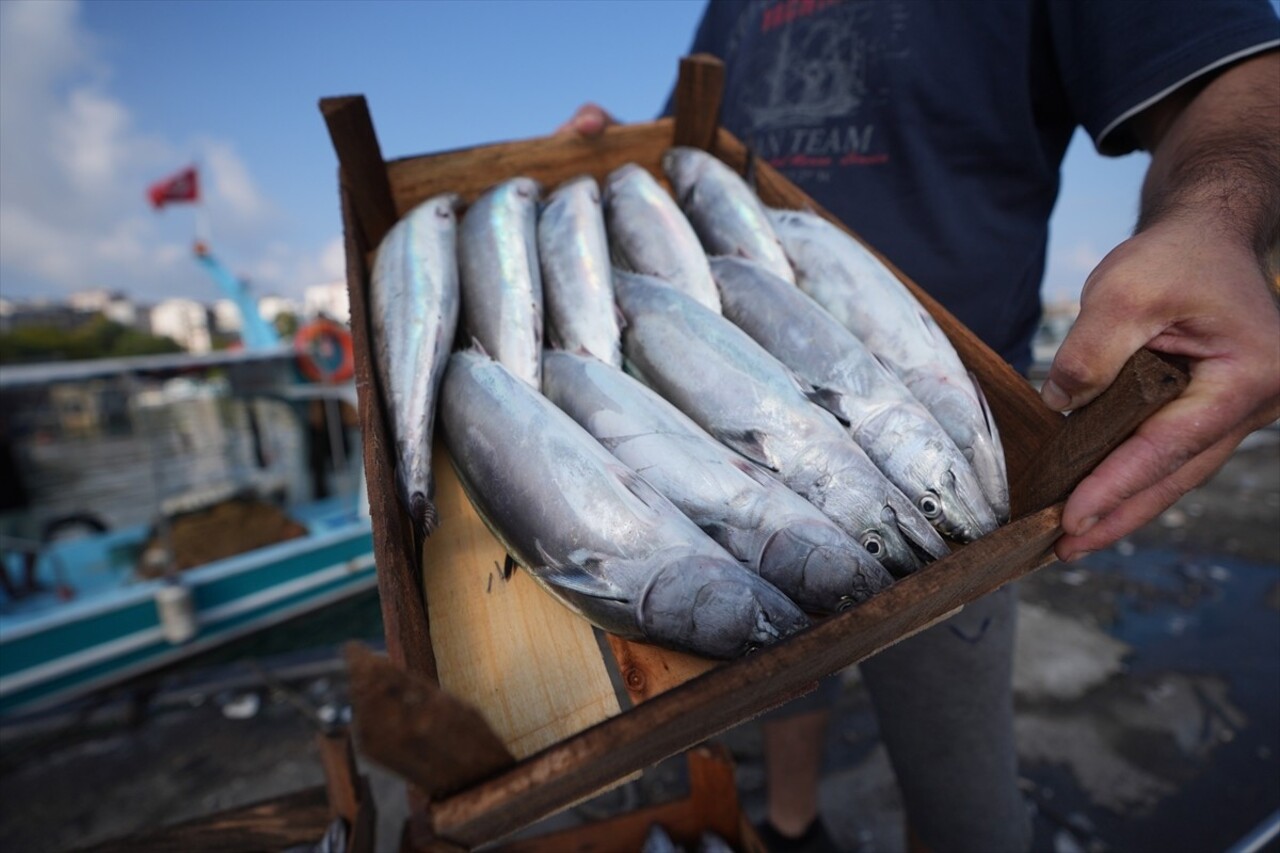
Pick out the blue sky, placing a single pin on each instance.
(99, 99)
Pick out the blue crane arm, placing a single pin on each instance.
(255, 332)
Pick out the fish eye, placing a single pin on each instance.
(930, 505)
(873, 543)
(846, 603)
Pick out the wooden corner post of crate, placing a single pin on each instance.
(430, 738)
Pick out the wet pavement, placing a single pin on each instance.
(1148, 711)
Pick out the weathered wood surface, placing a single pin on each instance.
(505, 645)
(1085, 437)
(550, 160)
(699, 89)
(727, 695)
(406, 723)
(299, 818)
(404, 615)
(712, 805)
(362, 171)
(648, 670)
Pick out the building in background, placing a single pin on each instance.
(184, 320)
(328, 300)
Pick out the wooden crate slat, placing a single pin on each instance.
(550, 160)
(404, 615)
(505, 645)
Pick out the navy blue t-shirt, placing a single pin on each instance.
(936, 128)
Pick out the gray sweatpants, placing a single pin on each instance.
(944, 703)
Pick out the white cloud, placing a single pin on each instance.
(74, 168)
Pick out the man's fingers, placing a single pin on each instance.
(1168, 440)
(590, 120)
(1147, 504)
(1090, 357)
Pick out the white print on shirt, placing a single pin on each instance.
(820, 67)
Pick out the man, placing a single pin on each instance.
(936, 131)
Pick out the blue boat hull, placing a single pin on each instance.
(79, 647)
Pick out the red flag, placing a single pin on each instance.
(184, 186)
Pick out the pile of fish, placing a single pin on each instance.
(734, 419)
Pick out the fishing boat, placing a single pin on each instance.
(174, 503)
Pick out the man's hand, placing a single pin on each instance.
(1189, 283)
(590, 120)
(1176, 290)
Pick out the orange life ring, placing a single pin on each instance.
(324, 352)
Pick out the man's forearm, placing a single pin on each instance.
(1216, 155)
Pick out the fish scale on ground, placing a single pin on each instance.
(755, 517)
(895, 430)
(751, 402)
(603, 540)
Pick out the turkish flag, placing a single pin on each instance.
(184, 186)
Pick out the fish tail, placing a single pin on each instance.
(425, 516)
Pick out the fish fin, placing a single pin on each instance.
(633, 370)
(640, 487)
(585, 577)
(753, 471)
(990, 419)
(749, 173)
(619, 317)
(888, 365)
(749, 443)
(828, 399)
(509, 566)
(479, 347)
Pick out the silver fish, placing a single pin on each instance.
(713, 372)
(895, 430)
(577, 277)
(500, 275)
(860, 291)
(729, 218)
(592, 531)
(648, 234)
(754, 517)
(413, 302)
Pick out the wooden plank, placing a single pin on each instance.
(712, 805)
(737, 691)
(1146, 383)
(699, 90)
(648, 670)
(298, 818)
(341, 777)
(549, 160)
(361, 169)
(506, 645)
(407, 724)
(404, 616)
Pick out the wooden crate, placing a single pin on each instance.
(470, 791)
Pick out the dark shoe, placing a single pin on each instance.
(813, 840)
